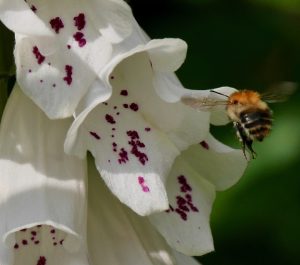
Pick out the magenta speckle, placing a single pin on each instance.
(123, 156)
(147, 129)
(56, 24)
(33, 8)
(204, 145)
(184, 186)
(141, 181)
(125, 106)
(110, 119)
(54, 244)
(24, 242)
(69, 46)
(184, 202)
(134, 107)
(112, 77)
(23, 230)
(124, 92)
(95, 135)
(39, 57)
(16, 246)
(52, 231)
(54, 85)
(181, 213)
(79, 37)
(33, 233)
(69, 72)
(118, 113)
(61, 241)
(79, 21)
(136, 144)
(41, 81)
(115, 107)
(36, 242)
(42, 261)
(113, 129)
(29, 71)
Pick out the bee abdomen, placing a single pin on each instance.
(257, 123)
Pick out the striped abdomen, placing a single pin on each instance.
(256, 123)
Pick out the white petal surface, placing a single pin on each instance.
(135, 136)
(185, 225)
(218, 163)
(118, 236)
(56, 71)
(26, 23)
(40, 185)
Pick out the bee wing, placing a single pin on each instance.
(204, 104)
(280, 92)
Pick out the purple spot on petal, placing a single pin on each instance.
(125, 106)
(141, 181)
(69, 72)
(136, 144)
(16, 246)
(204, 145)
(42, 261)
(147, 129)
(69, 46)
(95, 135)
(29, 71)
(79, 37)
(123, 156)
(134, 107)
(124, 92)
(33, 8)
(110, 119)
(39, 57)
(24, 242)
(79, 21)
(56, 24)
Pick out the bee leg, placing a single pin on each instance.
(249, 147)
(245, 140)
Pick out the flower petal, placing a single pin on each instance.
(131, 154)
(26, 23)
(118, 236)
(41, 245)
(58, 81)
(56, 70)
(204, 157)
(40, 185)
(115, 23)
(137, 134)
(185, 225)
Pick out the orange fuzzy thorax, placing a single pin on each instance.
(245, 97)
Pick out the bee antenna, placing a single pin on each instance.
(219, 93)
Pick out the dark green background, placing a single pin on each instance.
(244, 44)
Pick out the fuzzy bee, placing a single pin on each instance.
(248, 110)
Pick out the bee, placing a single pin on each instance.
(248, 110)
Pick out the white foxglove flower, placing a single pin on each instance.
(155, 154)
(46, 217)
